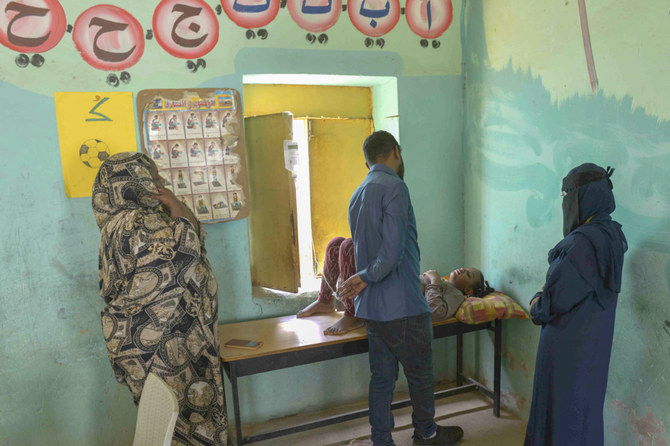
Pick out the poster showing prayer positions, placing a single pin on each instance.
(195, 139)
(91, 127)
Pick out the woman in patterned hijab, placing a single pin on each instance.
(161, 309)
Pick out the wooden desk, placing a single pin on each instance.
(289, 341)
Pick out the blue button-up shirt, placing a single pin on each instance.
(383, 228)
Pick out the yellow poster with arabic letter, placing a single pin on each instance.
(91, 127)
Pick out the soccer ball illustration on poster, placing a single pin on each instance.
(93, 152)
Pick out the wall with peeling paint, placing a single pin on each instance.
(56, 385)
(530, 116)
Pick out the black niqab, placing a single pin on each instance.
(587, 206)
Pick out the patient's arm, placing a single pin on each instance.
(431, 277)
(435, 301)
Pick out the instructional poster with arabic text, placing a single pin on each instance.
(195, 139)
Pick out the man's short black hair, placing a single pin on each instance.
(378, 146)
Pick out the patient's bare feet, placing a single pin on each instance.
(344, 325)
(316, 307)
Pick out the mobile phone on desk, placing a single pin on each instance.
(244, 344)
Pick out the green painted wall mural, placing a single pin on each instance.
(530, 116)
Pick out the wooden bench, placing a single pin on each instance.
(289, 341)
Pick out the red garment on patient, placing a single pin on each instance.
(339, 261)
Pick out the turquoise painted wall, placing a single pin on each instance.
(530, 116)
(56, 385)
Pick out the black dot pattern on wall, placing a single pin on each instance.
(22, 60)
(112, 80)
(37, 60)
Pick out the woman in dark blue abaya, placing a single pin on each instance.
(576, 309)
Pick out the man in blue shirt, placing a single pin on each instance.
(387, 292)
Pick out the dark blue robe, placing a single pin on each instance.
(577, 310)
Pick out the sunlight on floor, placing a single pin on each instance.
(472, 411)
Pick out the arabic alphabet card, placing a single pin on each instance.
(429, 19)
(315, 16)
(374, 18)
(92, 127)
(251, 14)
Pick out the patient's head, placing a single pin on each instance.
(470, 281)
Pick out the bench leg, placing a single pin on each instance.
(236, 405)
(459, 359)
(496, 367)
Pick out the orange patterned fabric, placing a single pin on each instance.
(476, 310)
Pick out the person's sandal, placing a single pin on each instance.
(444, 436)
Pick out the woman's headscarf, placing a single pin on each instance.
(587, 205)
(123, 182)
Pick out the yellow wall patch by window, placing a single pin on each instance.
(91, 127)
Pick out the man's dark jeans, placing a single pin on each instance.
(407, 340)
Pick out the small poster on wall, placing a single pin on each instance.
(195, 138)
(91, 127)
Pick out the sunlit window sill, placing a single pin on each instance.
(305, 297)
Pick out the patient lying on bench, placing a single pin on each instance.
(444, 295)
